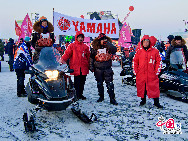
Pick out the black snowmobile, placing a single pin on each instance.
(127, 74)
(174, 76)
(50, 88)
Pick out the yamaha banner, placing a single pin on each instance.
(66, 25)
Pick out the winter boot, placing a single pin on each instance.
(157, 104)
(11, 68)
(143, 102)
(101, 91)
(82, 97)
(24, 94)
(110, 87)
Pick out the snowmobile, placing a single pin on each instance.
(174, 76)
(50, 88)
(127, 74)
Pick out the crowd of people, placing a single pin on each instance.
(146, 61)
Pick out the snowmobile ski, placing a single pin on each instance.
(82, 116)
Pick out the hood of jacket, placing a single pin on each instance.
(96, 44)
(37, 27)
(152, 40)
(173, 43)
(76, 36)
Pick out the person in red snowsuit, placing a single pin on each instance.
(147, 66)
(79, 55)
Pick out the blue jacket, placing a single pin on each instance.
(22, 58)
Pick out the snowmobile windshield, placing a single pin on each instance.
(177, 59)
(49, 59)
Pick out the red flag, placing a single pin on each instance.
(17, 29)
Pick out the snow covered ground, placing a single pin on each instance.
(127, 121)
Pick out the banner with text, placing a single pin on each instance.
(66, 25)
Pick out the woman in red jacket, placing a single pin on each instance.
(79, 55)
(147, 66)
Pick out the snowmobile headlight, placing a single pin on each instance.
(52, 75)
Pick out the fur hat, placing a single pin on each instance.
(37, 25)
(97, 44)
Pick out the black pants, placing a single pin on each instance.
(20, 81)
(79, 82)
(11, 61)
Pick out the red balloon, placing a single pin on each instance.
(131, 8)
(82, 16)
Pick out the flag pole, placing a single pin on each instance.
(27, 25)
(53, 16)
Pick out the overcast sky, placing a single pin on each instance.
(155, 17)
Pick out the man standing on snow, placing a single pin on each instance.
(101, 65)
(22, 62)
(79, 54)
(1, 50)
(177, 43)
(11, 51)
(146, 67)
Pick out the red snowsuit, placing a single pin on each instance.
(146, 67)
(79, 55)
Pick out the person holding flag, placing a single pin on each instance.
(22, 62)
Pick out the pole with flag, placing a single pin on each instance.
(17, 29)
(26, 27)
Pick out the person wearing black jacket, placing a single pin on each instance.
(11, 51)
(101, 65)
(22, 62)
(177, 42)
(1, 50)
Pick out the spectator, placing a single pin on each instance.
(146, 67)
(101, 65)
(11, 51)
(78, 53)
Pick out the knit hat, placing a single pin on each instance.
(170, 37)
(10, 39)
(27, 39)
(102, 36)
(178, 38)
(41, 19)
(80, 35)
